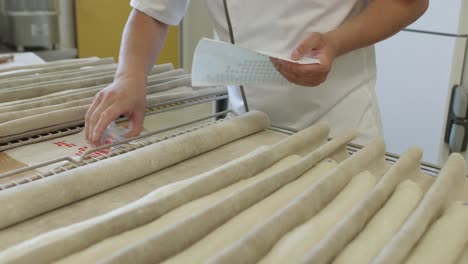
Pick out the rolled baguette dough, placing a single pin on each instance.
(445, 239)
(44, 120)
(28, 72)
(75, 94)
(109, 246)
(256, 244)
(49, 64)
(44, 195)
(19, 94)
(346, 229)
(464, 257)
(450, 179)
(183, 234)
(248, 219)
(292, 247)
(383, 225)
(10, 83)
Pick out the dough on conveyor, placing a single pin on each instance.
(29, 200)
(256, 244)
(383, 225)
(445, 239)
(132, 215)
(449, 181)
(107, 247)
(181, 235)
(353, 223)
(44, 68)
(248, 219)
(294, 246)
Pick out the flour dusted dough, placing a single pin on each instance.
(47, 194)
(464, 257)
(183, 234)
(109, 246)
(82, 93)
(6, 117)
(383, 225)
(242, 223)
(445, 240)
(256, 244)
(44, 120)
(14, 82)
(450, 179)
(346, 229)
(294, 245)
(26, 93)
(125, 194)
(49, 64)
(45, 69)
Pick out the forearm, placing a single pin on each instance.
(380, 20)
(142, 40)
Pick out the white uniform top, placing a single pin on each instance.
(346, 100)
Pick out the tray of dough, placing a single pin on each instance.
(46, 101)
(238, 191)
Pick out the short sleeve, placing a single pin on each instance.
(169, 12)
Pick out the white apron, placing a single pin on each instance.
(346, 100)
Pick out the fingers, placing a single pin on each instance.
(101, 118)
(306, 46)
(96, 102)
(301, 74)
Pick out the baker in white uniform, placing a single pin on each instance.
(340, 33)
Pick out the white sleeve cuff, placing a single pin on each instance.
(169, 12)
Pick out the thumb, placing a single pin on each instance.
(306, 46)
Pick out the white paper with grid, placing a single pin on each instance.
(221, 63)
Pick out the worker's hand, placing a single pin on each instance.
(316, 45)
(123, 97)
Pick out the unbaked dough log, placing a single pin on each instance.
(30, 123)
(80, 73)
(6, 117)
(259, 241)
(445, 240)
(49, 64)
(183, 234)
(450, 179)
(148, 209)
(42, 85)
(151, 100)
(70, 66)
(383, 225)
(41, 196)
(10, 83)
(44, 248)
(107, 247)
(19, 94)
(248, 219)
(292, 247)
(76, 94)
(464, 257)
(184, 81)
(341, 234)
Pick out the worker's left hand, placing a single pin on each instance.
(316, 45)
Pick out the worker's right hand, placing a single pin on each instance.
(123, 97)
